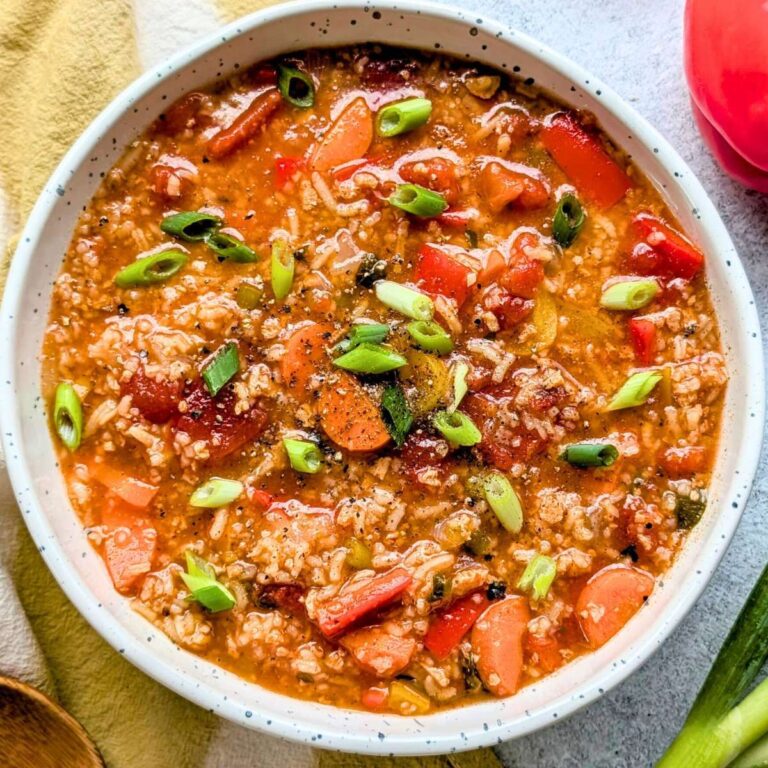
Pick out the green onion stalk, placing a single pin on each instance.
(719, 729)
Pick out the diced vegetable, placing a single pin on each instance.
(129, 550)
(483, 86)
(230, 248)
(436, 272)
(358, 554)
(246, 125)
(403, 696)
(449, 626)
(440, 586)
(286, 169)
(379, 652)
(249, 294)
(687, 460)
(216, 492)
(305, 353)
(404, 300)
(635, 390)
(497, 644)
(370, 358)
(584, 455)
(518, 186)
(457, 428)
(296, 87)
(538, 576)
(460, 386)
(402, 117)
(68, 415)
(418, 200)
(135, 492)
(222, 367)
(609, 600)
(190, 225)
(504, 501)
(371, 333)
(545, 321)
(150, 270)
(430, 336)
(425, 380)
(283, 265)
(350, 417)
(397, 414)
(363, 597)
(202, 583)
(629, 294)
(688, 511)
(303, 455)
(371, 269)
(568, 221)
(666, 252)
(592, 170)
(347, 139)
(374, 698)
(643, 334)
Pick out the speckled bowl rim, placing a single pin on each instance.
(476, 725)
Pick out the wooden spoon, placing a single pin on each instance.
(35, 732)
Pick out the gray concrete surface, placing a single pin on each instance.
(636, 47)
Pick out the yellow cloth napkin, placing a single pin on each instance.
(61, 61)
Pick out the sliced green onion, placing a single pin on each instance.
(68, 415)
(230, 248)
(457, 428)
(358, 554)
(404, 300)
(216, 492)
(295, 86)
(418, 200)
(397, 414)
(156, 268)
(373, 333)
(190, 225)
(538, 576)
(629, 294)
(248, 295)
(460, 387)
(283, 266)
(635, 390)
(303, 455)
(430, 336)
(568, 221)
(201, 582)
(504, 501)
(590, 454)
(370, 358)
(394, 119)
(224, 365)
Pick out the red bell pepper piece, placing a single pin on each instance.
(643, 334)
(437, 272)
(449, 626)
(594, 172)
(672, 255)
(342, 611)
(135, 492)
(726, 63)
(129, 550)
(286, 168)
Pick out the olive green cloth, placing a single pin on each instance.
(61, 61)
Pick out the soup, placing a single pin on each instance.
(382, 379)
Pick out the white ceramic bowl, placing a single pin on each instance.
(40, 489)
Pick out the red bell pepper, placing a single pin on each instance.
(643, 334)
(342, 611)
(593, 171)
(726, 64)
(437, 272)
(670, 255)
(286, 168)
(449, 626)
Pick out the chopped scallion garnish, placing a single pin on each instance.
(504, 501)
(373, 333)
(295, 86)
(629, 294)
(370, 358)
(394, 119)
(222, 367)
(430, 336)
(457, 428)
(538, 576)
(406, 301)
(156, 268)
(418, 200)
(190, 225)
(303, 455)
(568, 221)
(584, 455)
(201, 582)
(460, 387)
(216, 492)
(635, 390)
(283, 264)
(68, 415)
(230, 248)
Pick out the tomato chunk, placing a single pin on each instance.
(643, 334)
(436, 173)
(215, 421)
(436, 272)
(286, 168)
(660, 250)
(422, 452)
(379, 652)
(365, 597)
(450, 625)
(502, 186)
(610, 599)
(524, 274)
(156, 399)
(679, 462)
(594, 172)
